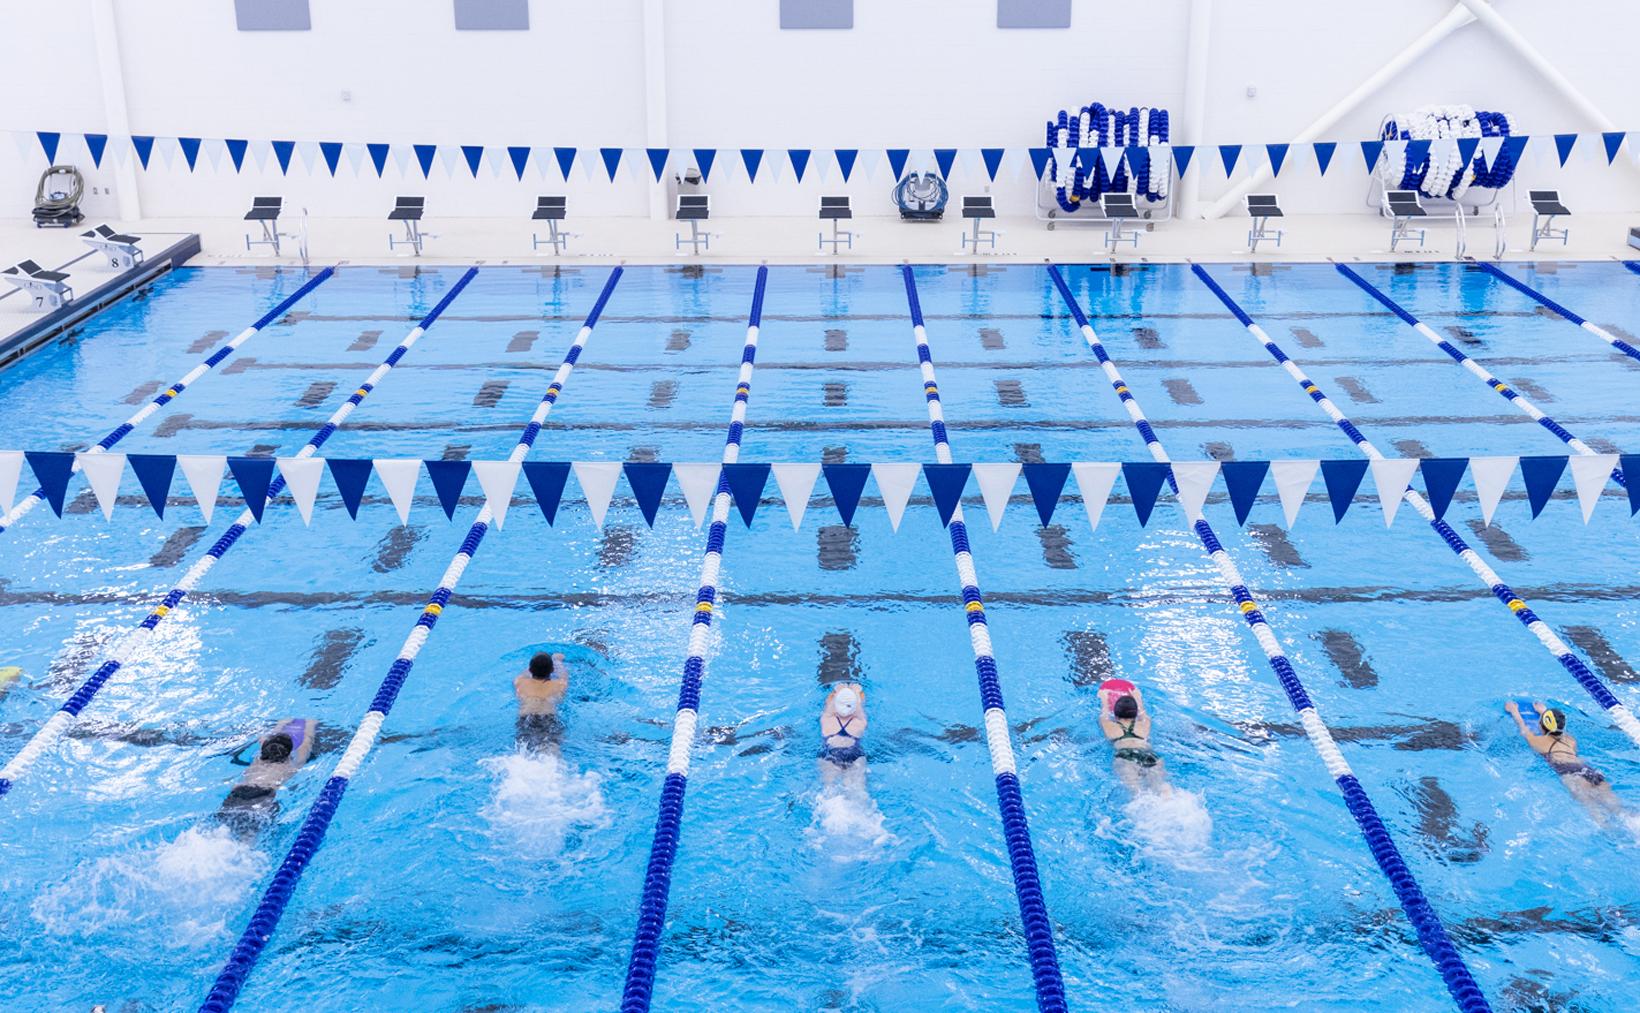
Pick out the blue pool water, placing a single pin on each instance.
(459, 874)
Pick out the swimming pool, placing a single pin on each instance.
(460, 875)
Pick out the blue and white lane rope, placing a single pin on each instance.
(170, 393)
(312, 834)
(1620, 714)
(1432, 934)
(1508, 393)
(663, 849)
(1016, 831)
(64, 718)
(1531, 293)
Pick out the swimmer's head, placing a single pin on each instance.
(1125, 708)
(846, 700)
(541, 666)
(1552, 721)
(276, 747)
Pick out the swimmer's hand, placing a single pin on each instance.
(1512, 708)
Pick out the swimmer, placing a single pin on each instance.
(539, 690)
(842, 726)
(1586, 784)
(1126, 723)
(253, 804)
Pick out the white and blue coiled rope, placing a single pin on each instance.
(64, 718)
(1531, 293)
(170, 393)
(1033, 908)
(1432, 934)
(663, 849)
(308, 839)
(1620, 714)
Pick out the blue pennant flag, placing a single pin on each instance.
(547, 480)
(946, 482)
(1182, 153)
(612, 161)
(378, 156)
(144, 147)
(154, 472)
(845, 160)
(282, 150)
(648, 481)
(1372, 151)
(474, 153)
(190, 151)
(993, 161)
(1243, 480)
(424, 156)
(746, 482)
(846, 482)
(1563, 145)
(1228, 153)
(1089, 159)
(1541, 474)
(449, 478)
(520, 155)
(1614, 140)
(1441, 478)
(254, 475)
(332, 150)
(1039, 161)
(52, 469)
(1466, 150)
(236, 152)
(566, 160)
(1046, 482)
(1138, 159)
(704, 157)
(1278, 157)
(800, 161)
(96, 144)
(48, 144)
(1324, 151)
(1513, 146)
(1144, 482)
(1630, 463)
(945, 158)
(752, 159)
(350, 476)
(657, 160)
(896, 161)
(1418, 152)
(1342, 478)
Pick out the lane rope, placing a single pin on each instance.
(1507, 392)
(1591, 683)
(265, 920)
(60, 722)
(1432, 934)
(663, 849)
(1531, 293)
(1016, 832)
(121, 431)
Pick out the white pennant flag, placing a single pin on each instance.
(212, 150)
(451, 157)
(308, 152)
(895, 482)
(204, 475)
(1195, 481)
(302, 476)
(1396, 154)
(698, 482)
(796, 483)
(259, 151)
(1589, 474)
(399, 476)
(497, 479)
(358, 156)
(1094, 481)
(1391, 476)
(1492, 476)
(1443, 150)
(996, 487)
(1293, 480)
(597, 480)
(1490, 146)
(1112, 157)
(11, 467)
(103, 472)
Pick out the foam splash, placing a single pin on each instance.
(540, 801)
(179, 892)
(1172, 824)
(847, 824)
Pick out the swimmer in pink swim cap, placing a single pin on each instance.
(1126, 724)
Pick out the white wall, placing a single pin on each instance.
(912, 73)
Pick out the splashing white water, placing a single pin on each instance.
(540, 802)
(179, 892)
(847, 824)
(1170, 825)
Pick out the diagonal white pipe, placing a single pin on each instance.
(1492, 19)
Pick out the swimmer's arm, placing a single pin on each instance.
(1111, 729)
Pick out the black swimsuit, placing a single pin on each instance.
(1142, 754)
(842, 755)
(1574, 767)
